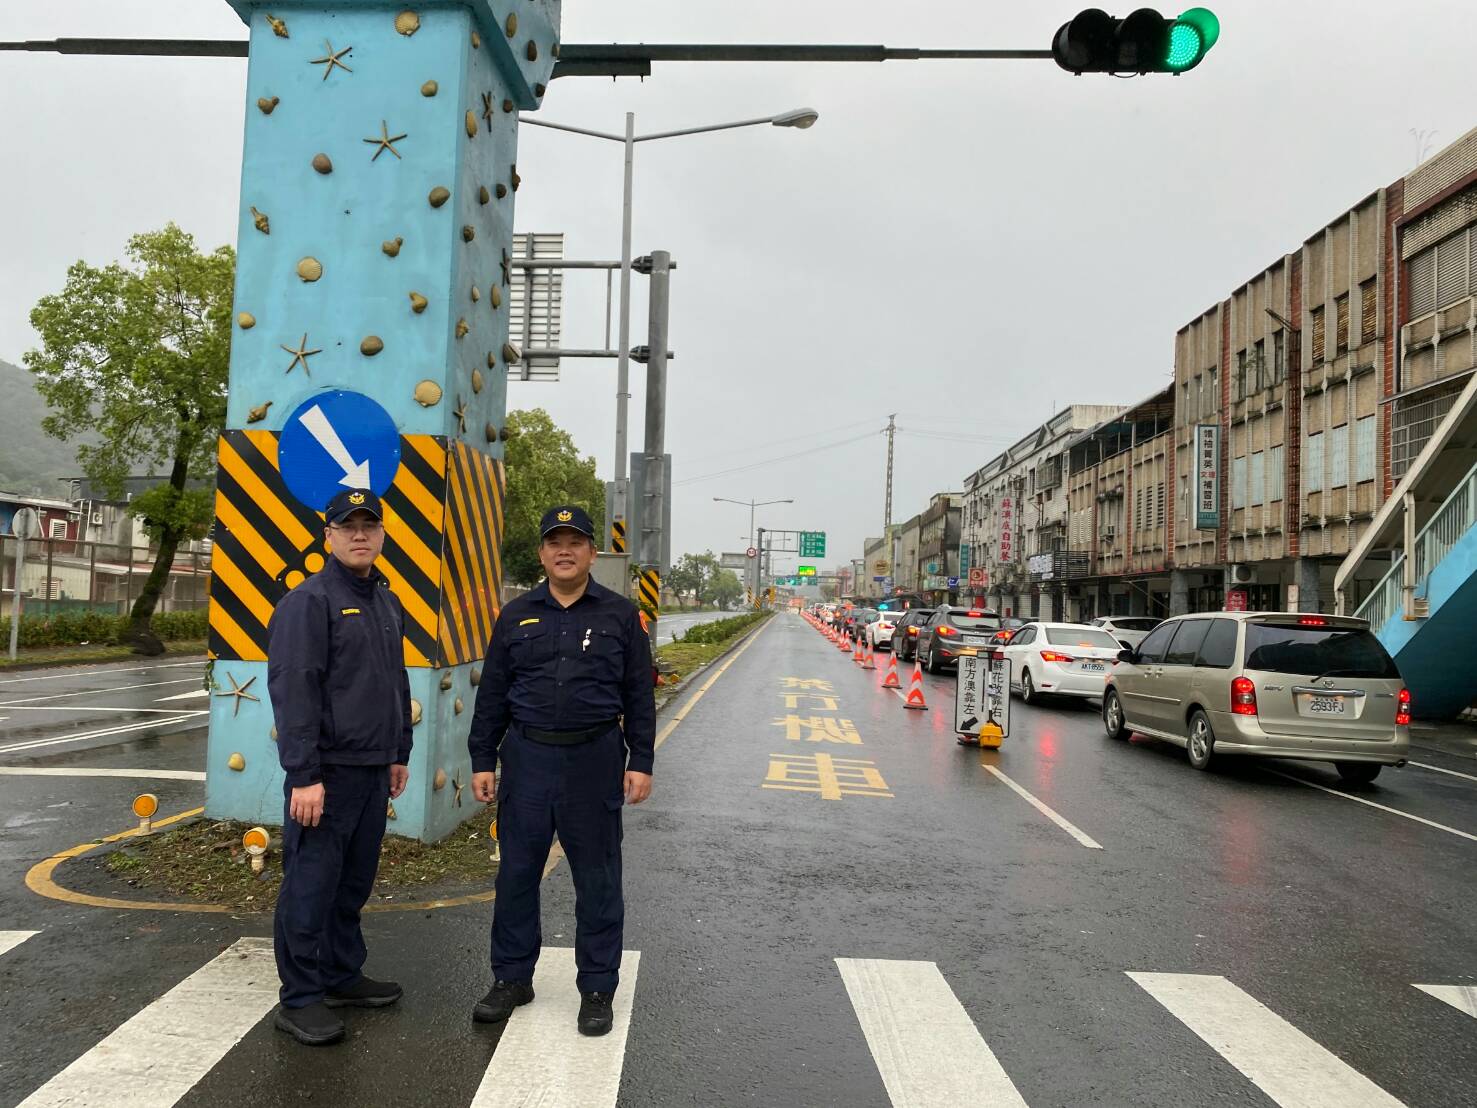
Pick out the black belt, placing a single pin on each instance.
(569, 738)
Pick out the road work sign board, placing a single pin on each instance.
(982, 698)
(739, 561)
(338, 440)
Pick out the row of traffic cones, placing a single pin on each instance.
(865, 657)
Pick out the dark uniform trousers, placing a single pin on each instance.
(327, 875)
(578, 792)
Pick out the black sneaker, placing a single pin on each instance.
(500, 1001)
(364, 993)
(313, 1025)
(595, 1016)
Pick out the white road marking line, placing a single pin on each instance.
(95, 692)
(1461, 997)
(926, 1047)
(1372, 804)
(94, 708)
(1441, 769)
(85, 672)
(1271, 1053)
(1061, 821)
(542, 1060)
(9, 940)
(157, 1056)
(36, 744)
(193, 694)
(61, 771)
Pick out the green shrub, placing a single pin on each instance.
(75, 628)
(720, 629)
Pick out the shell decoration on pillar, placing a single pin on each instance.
(266, 104)
(462, 327)
(445, 685)
(259, 413)
(491, 360)
(427, 394)
(468, 232)
(371, 345)
(418, 303)
(483, 196)
(279, 28)
(476, 41)
(471, 123)
(511, 26)
(236, 761)
(491, 432)
(531, 51)
(391, 247)
(439, 781)
(261, 222)
(476, 676)
(511, 354)
(323, 164)
(476, 381)
(458, 706)
(430, 88)
(495, 294)
(438, 196)
(415, 712)
(407, 23)
(476, 294)
(245, 320)
(310, 269)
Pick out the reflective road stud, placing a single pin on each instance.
(144, 806)
(256, 841)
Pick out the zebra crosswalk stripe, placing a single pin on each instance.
(925, 1045)
(1289, 1067)
(9, 940)
(1461, 997)
(162, 1051)
(542, 1060)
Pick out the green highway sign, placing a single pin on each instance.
(812, 544)
(805, 571)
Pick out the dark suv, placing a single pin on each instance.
(905, 633)
(952, 630)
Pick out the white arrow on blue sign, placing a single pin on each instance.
(338, 440)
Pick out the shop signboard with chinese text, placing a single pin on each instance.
(1207, 477)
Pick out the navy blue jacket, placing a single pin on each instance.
(336, 674)
(565, 669)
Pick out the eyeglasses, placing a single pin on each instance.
(368, 527)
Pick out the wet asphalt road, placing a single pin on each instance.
(741, 898)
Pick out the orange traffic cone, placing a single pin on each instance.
(889, 679)
(869, 659)
(856, 650)
(915, 687)
(843, 643)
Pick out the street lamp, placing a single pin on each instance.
(798, 119)
(753, 504)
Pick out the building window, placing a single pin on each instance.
(1317, 336)
(1259, 365)
(1338, 456)
(1279, 357)
(1364, 453)
(1199, 395)
(1258, 478)
(1442, 274)
(1341, 322)
(1185, 404)
(1313, 464)
(1240, 392)
(1160, 521)
(1276, 475)
(1368, 307)
(1238, 482)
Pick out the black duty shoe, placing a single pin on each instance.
(364, 993)
(595, 1016)
(500, 1001)
(313, 1025)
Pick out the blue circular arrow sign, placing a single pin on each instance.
(335, 441)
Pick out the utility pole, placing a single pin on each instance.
(887, 509)
(615, 536)
(654, 476)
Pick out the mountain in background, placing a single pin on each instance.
(31, 461)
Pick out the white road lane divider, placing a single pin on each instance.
(927, 1049)
(543, 1060)
(1287, 1066)
(74, 674)
(1443, 769)
(9, 940)
(1461, 997)
(80, 771)
(1056, 817)
(97, 692)
(1370, 803)
(158, 1055)
(81, 736)
(193, 694)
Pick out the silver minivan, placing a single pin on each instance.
(1280, 684)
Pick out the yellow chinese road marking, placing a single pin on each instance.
(832, 777)
(806, 683)
(827, 703)
(818, 729)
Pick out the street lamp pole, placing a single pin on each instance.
(800, 119)
(753, 505)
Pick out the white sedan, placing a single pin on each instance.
(1129, 630)
(879, 631)
(1060, 659)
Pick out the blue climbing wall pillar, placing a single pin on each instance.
(371, 347)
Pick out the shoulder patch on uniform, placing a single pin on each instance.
(349, 612)
(526, 622)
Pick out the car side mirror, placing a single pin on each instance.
(1127, 656)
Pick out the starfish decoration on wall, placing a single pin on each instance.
(507, 270)
(488, 109)
(332, 59)
(461, 414)
(456, 784)
(386, 141)
(301, 354)
(239, 692)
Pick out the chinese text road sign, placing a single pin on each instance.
(982, 698)
(812, 544)
(805, 571)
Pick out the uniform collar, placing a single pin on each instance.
(594, 591)
(363, 585)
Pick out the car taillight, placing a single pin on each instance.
(1243, 697)
(1312, 621)
(884, 626)
(1053, 656)
(912, 630)
(1402, 711)
(947, 631)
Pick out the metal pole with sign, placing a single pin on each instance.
(25, 525)
(982, 699)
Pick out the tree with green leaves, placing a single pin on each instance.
(138, 355)
(544, 469)
(694, 574)
(728, 590)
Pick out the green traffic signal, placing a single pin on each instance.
(1142, 42)
(1190, 38)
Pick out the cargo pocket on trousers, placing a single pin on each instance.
(614, 831)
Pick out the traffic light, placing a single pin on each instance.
(1143, 42)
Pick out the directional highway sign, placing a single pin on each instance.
(338, 440)
(812, 544)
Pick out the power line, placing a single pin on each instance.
(772, 461)
(788, 438)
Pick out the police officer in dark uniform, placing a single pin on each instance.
(566, 704)
(336, 674)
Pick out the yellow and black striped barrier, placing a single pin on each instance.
(617, 536)
(649, 591)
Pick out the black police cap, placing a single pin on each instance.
(566, 515)
(350, 501)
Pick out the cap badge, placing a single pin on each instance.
(565, 516)
(356, 498)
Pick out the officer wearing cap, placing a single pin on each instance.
(341, 699)
(566, 705)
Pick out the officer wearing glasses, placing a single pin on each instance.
(341, 700)
(566, 705)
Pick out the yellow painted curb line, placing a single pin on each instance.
(40, 881)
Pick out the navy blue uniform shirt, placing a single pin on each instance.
(565, 669)
(336, 674)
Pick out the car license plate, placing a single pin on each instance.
(1093, 667)
(974, 640)
(1326, 705)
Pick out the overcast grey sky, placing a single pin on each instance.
(970, 244)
